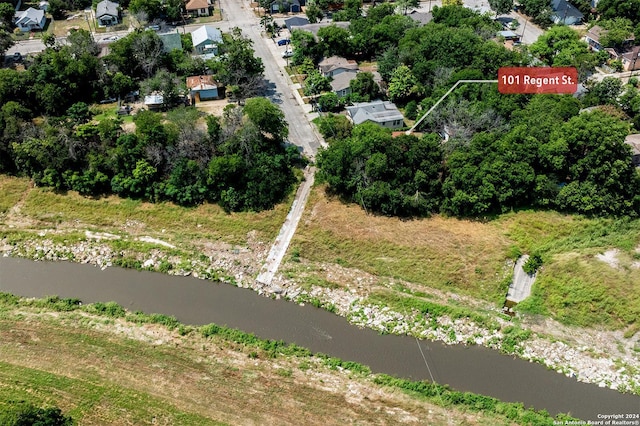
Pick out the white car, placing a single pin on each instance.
(112, 38)
(287, 53)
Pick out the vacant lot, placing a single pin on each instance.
(473, 258)
(113, 214)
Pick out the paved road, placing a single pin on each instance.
(240, 14)
(301, 131)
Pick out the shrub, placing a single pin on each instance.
(532, 264)
(411, 110)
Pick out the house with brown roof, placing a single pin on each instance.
(593, 37)
(334, 65)
(197, 8)
(631, 59)
(204, 88)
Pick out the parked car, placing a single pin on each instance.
(284, 42)
(124, 110)
(154, 27)
(112, 38)
(287, 53)
(17, 56)
(108, 101)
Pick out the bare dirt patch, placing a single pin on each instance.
(610, 257)
(215, 107)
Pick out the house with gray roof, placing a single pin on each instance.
(634, 142)
(107, 13)
(565, 13)
(334, 65)
(30, 19)
(340, 85)
(314, 28)
(383, 113)
(206, 39)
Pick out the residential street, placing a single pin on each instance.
(240, 14)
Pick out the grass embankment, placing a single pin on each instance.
(472, 258)
(103, 365)
(11, 190)
(171, 223)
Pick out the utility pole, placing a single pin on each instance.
(412, 129)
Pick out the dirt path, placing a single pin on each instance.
(15, 218)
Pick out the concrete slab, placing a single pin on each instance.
(520, 287)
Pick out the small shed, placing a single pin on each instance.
(154, 101)
(508, 35)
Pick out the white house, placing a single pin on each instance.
(206, 39)
(383, 113)
(107, 13)
(30, 19)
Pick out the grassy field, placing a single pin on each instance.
(104, 370)
(114, 214)
(474, 257)
(11, 190)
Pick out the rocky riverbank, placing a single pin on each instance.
(601, 357)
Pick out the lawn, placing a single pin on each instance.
(473, 257)
(76, 20)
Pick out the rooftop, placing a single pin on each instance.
(201, 82)
(376, 111)
(197, 4)
(106, 7)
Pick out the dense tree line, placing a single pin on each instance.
(240, 162)
(550, 157)
(500, 152)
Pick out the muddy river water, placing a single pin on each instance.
(198, 302)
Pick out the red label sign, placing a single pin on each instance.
(537, 80)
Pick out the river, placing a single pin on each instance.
(197, 302)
